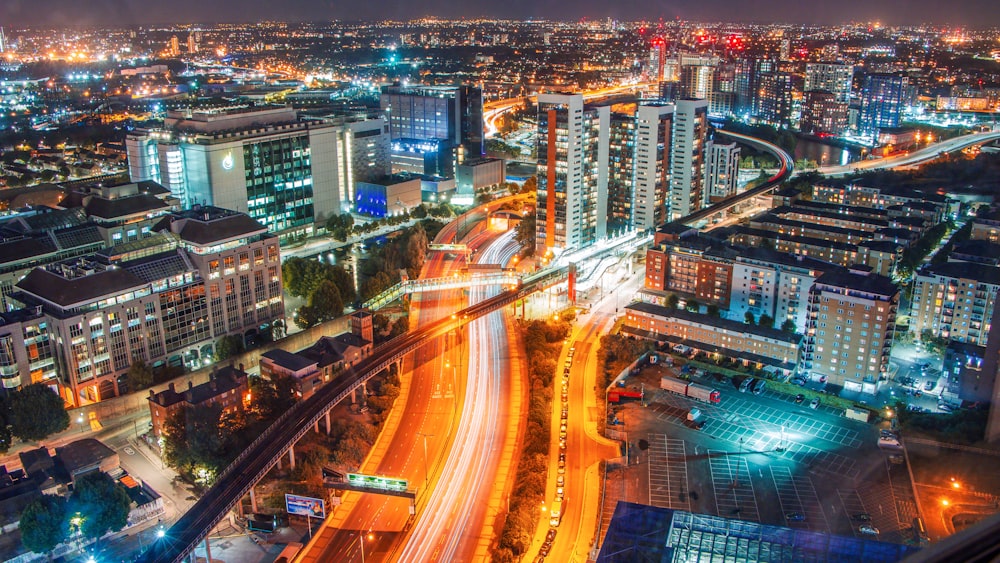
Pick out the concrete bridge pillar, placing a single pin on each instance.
(279, 463)
(291, 457)
(208, 551)
(253, 501)
(328, 422)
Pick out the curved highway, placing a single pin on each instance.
(236, 481)
(451, 512)
(930, 152)
(784, 172)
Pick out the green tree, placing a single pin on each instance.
(766, 320)
(344, 282)
(419, 212)
(271, 397)
(748, 318)
(139, 376)
(306, 317)
(673, 301)
(375, 285)
(788, 326)
(692, 305)
(526, 234)
(229, 346)
(416, 250)
(340, 227)
(43, 523)
(36, 411)
(326, 302)
(102, 504)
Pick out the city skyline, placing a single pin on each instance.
(64, 13)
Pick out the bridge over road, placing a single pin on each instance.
(255, 462)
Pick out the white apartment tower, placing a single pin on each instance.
(687, 160)
(721, 172)
(654, 127)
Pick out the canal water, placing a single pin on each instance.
(824, 154)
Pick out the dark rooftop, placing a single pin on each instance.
(212, 225)
(66, 292)
(288, 360)
(982, 273)
(124, 206)
(725, 324)
(871, 283)
(82, 454)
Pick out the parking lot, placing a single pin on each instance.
(764, 458)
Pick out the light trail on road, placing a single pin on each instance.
(449, 512)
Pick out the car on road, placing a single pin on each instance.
(560, 480)
(546, 546)
(795, 517)
(888, 434)
(945, 407)
(815, 403)
(929, 386)
(551, 536)
(862, 517)
(868, 529)
(799, 398)
(799, 381)
(924, 367)
(897, 459)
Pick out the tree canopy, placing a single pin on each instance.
(36, 411)
(102, 504)
(43, 523)
(139, 376)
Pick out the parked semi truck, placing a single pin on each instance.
(693, 390)
(616, 395)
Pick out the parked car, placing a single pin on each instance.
(795, 517)
(799, 398)
(868, 529)
(758, 386)
(929, 386)
(799, 381)
(945, 407)
(746, 384)
(815, 403)
(862, 517)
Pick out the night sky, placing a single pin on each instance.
(975, 13)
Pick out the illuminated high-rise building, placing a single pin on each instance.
(881, 103)
(621, 170)
(653, 131)
(721, 172)
(657, 59)
(285, 173)
(572, 148)
(773, 102)
(832, 77)
(433, 128)
(687, 158)
(192, 44)
(174, 46)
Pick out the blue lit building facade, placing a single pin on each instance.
(881, 103)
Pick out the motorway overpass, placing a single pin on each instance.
(255, 462)
(920, 156)
(258, 459)
(783, 173)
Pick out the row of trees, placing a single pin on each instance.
(97, 506)
(407, 251)
(542, 342)
(31, 413)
